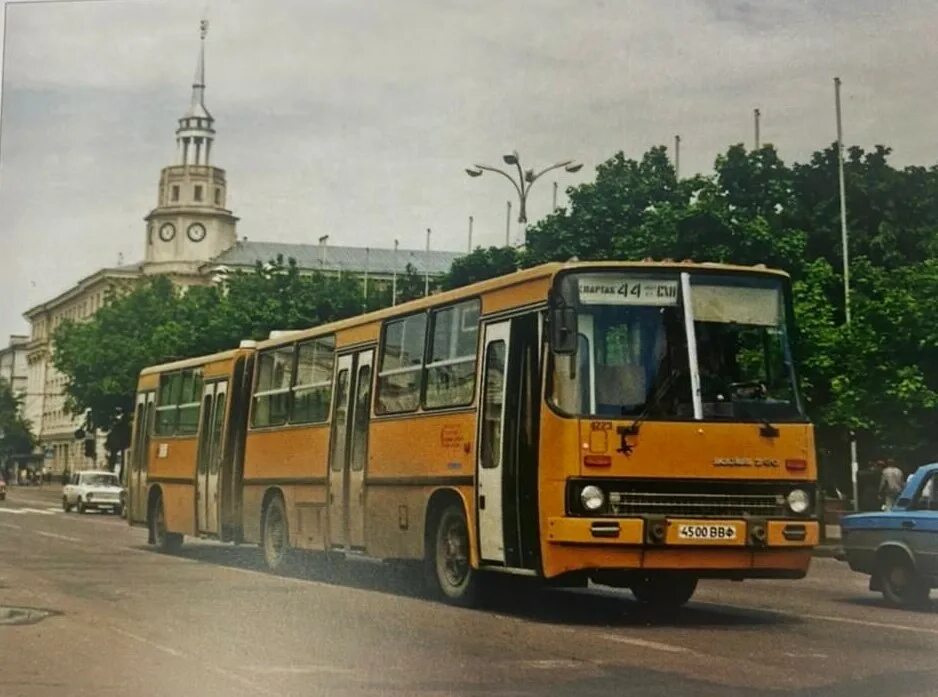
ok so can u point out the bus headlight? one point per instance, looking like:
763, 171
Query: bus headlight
799, 501
592, 498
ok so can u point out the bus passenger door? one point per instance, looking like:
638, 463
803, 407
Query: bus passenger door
358, 449
211, 440
338, 458
139, 463
490, 463
350, 451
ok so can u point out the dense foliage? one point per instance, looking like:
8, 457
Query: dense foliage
880, 378
16, 437
157, 322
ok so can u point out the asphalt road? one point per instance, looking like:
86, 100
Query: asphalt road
125, 620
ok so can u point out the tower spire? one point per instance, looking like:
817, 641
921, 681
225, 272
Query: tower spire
197, 109
195, 133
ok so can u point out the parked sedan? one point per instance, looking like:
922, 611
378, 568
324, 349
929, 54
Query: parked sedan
899, 548
92, 489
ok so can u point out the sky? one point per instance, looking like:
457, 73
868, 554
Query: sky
357, 119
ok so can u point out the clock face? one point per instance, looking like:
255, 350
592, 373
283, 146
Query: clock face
167, 232
196, 232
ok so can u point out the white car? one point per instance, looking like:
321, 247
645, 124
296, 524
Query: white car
93, 489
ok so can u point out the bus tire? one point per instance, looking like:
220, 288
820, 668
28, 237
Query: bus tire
275, 537
448, 568
664, 591
164, 540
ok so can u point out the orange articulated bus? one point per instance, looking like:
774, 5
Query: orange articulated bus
637, 424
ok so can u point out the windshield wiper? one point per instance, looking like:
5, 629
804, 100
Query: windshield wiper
632, 428
767, 428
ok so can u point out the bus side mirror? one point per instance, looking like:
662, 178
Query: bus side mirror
563, 330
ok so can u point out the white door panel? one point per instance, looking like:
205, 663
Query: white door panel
490, 466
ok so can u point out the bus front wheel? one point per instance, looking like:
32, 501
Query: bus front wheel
665, 590
448, 569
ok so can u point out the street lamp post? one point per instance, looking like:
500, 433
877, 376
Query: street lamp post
426, 270
367, 268
394, 275
525, 179
854, 464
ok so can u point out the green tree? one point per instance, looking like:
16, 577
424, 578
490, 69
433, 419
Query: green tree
880, 378
156, 322
16, 437
481, 264
410, 284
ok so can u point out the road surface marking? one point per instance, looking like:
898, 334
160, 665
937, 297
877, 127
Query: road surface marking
57, 537
179, 654
143, 640
828, 618
552, 663
645, 644
14, 511
10, 526
296, 670
40, 511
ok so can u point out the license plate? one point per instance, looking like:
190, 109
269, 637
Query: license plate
716, 532
690, 531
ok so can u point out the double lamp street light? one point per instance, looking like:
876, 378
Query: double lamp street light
525, 179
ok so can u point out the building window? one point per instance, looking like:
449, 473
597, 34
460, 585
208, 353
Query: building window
175, 192
197, 195
217, 196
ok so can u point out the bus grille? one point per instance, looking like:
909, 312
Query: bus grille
717, 504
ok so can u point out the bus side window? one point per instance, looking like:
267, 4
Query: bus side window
451, 369
177, 407
312, 391
399, 375
272, 387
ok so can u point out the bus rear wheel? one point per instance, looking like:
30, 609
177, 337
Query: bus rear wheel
448, 568
275, 537
664, 591
164, 540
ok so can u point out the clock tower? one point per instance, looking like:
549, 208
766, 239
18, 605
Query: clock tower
190, 223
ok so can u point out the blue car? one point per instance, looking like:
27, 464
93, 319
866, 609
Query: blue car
899, 548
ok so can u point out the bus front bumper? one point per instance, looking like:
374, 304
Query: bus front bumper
735, 548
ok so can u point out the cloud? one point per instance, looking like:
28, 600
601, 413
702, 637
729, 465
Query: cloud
356, 118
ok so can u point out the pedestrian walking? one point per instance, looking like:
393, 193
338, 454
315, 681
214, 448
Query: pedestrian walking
891, 483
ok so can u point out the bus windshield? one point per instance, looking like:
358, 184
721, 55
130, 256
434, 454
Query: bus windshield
743, 352
632, 354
